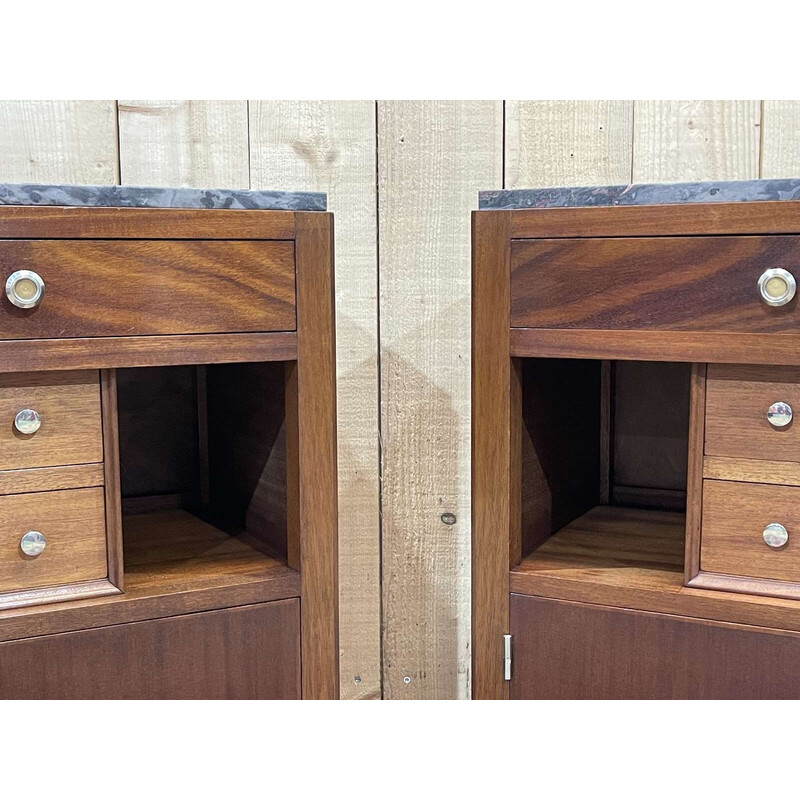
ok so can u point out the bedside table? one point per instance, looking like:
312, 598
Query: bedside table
635, 469
168, 524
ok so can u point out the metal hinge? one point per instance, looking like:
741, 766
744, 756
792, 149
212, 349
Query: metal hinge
507, 656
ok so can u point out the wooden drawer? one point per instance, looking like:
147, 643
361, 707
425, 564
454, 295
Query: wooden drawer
68, 404
697, 283
737, 399
734, 517
249, 653
72, 521
125, 288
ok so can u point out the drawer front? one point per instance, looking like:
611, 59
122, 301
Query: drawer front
734, 518
115, 288
738, 398
668, 283
572, 651
68, 409
73, 523
249, 653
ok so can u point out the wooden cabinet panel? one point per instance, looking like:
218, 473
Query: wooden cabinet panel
697, 283
737, 399
68, 404
252, 652
574, 651
72, 521
114, 288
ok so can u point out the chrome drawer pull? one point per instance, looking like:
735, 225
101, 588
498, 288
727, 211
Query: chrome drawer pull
27, 421
776, 287
25, 288
775, 535
32, 543
779, 414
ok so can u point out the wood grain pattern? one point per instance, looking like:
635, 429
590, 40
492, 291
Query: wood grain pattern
695, 470
649, 345
56, 222
567, 143
695, 140
665, 283
734, 516
107, 288
58, 141
433, 157
751, 470
496, 500
780, 157
330, 146
73, 522
68, 404
234, 654
574, 651
111, 475
316, 398
200, 143
737, 400
146, 351
48, 479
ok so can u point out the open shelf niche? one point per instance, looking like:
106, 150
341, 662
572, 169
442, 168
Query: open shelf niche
602, 449
203, 475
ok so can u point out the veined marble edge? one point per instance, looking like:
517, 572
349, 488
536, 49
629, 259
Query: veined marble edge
34, 194
641, 194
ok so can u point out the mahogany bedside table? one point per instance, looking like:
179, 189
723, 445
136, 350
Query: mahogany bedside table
635, 464
168, 523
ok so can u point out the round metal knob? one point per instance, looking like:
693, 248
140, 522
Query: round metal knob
24, 288
32, 543
27, 421
776, 287
775, 535
779, 415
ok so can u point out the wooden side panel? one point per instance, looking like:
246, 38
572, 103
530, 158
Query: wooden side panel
573, 651
330, 146
58, 141
694, 472
433, 157
316, 399
200, 143
568, 143
247, 653
695, 140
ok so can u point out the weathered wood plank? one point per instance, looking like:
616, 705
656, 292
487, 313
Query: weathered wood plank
200, 143
433, 158
330, 146
781, 139
695, 140
58, 141
568, 142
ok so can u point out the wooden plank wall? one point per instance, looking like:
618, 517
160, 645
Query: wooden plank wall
402, 178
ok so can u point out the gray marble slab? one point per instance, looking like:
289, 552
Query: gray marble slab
35, 194
642, 194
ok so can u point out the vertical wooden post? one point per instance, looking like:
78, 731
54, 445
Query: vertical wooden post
491, 449
316, 404
694, 476
113, 496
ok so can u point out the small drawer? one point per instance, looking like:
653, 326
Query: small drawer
733, 540
72, 523
749, 412
66, 408
70, 289
740, 284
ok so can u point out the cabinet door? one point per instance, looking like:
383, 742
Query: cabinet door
251, 652
573, 651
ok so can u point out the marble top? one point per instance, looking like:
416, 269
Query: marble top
35, 194
642, 194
